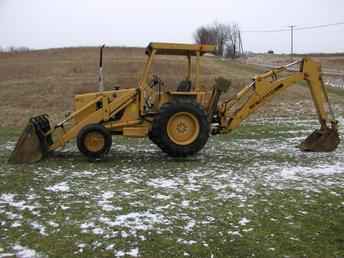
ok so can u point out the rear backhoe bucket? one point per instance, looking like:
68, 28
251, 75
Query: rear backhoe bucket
323, 140
32, 145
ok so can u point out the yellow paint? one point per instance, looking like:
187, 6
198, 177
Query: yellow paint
140, 131
265, 86
183, 128
94, 141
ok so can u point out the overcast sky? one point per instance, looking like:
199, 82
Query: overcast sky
47, 24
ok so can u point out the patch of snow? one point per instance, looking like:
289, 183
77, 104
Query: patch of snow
124, 234
10, 200
39, 227
87, 225
53, 224
319, 170
63, 207
163, 183
110, 247
133, 252
88, 173
7, 198
185, 203
105, 202
161, 196
294, 239
187, 242
108, 195
190, 225
24, 252
119, 253
234, 233
16, 224
136, 220
82, 245
109, 207
244, 221
6, 255
13, 216
60, 187
98, 231
123, 193
289, 174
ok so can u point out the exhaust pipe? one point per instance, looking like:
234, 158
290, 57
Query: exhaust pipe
100, 71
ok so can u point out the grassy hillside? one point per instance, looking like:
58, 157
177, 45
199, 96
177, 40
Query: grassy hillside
45, 81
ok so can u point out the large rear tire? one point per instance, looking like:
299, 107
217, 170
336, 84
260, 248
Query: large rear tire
94, 141
181, 129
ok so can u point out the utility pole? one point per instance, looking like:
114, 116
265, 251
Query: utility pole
241, 48
292, 41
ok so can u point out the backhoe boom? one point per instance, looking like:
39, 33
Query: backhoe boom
236, 109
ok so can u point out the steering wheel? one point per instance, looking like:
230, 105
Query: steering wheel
155, 81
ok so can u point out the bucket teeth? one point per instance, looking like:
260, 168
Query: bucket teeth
42, 125
325, 140
33, 144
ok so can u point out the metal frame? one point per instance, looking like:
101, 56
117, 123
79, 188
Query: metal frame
264, 86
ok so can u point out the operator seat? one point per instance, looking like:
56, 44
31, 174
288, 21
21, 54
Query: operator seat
185, 85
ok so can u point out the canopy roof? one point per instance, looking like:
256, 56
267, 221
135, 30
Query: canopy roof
179, 49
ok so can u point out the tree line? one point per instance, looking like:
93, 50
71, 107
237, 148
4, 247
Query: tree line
13, 49
226, 37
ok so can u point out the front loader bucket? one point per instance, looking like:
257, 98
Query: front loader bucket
32, 145
323, 140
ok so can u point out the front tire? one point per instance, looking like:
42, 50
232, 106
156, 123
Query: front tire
94, 141
181, 129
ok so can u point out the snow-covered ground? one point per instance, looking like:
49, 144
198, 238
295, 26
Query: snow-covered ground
119, 206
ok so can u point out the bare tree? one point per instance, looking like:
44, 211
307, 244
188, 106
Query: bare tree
226, 37
205, 35
223, 34
13, 49
234, 40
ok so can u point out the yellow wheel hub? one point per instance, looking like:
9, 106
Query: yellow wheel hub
183, 128
94, 141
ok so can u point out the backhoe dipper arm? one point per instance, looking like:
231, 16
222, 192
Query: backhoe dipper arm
233, 111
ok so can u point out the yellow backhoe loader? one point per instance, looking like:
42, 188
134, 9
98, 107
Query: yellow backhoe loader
178, 121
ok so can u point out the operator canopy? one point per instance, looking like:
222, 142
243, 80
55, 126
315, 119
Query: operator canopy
179, 49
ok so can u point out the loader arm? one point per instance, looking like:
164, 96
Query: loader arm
234, 110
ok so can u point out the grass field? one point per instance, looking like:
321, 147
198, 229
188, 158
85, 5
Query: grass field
247, 194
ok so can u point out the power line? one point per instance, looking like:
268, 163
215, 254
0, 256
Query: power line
264, 31
320, 26
298, 28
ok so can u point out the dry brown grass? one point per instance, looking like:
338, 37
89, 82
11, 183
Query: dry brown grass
45, 81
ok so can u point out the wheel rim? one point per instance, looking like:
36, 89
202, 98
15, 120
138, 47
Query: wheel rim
94, 141
183, 128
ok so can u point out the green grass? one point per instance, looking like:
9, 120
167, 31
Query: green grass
247, 193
